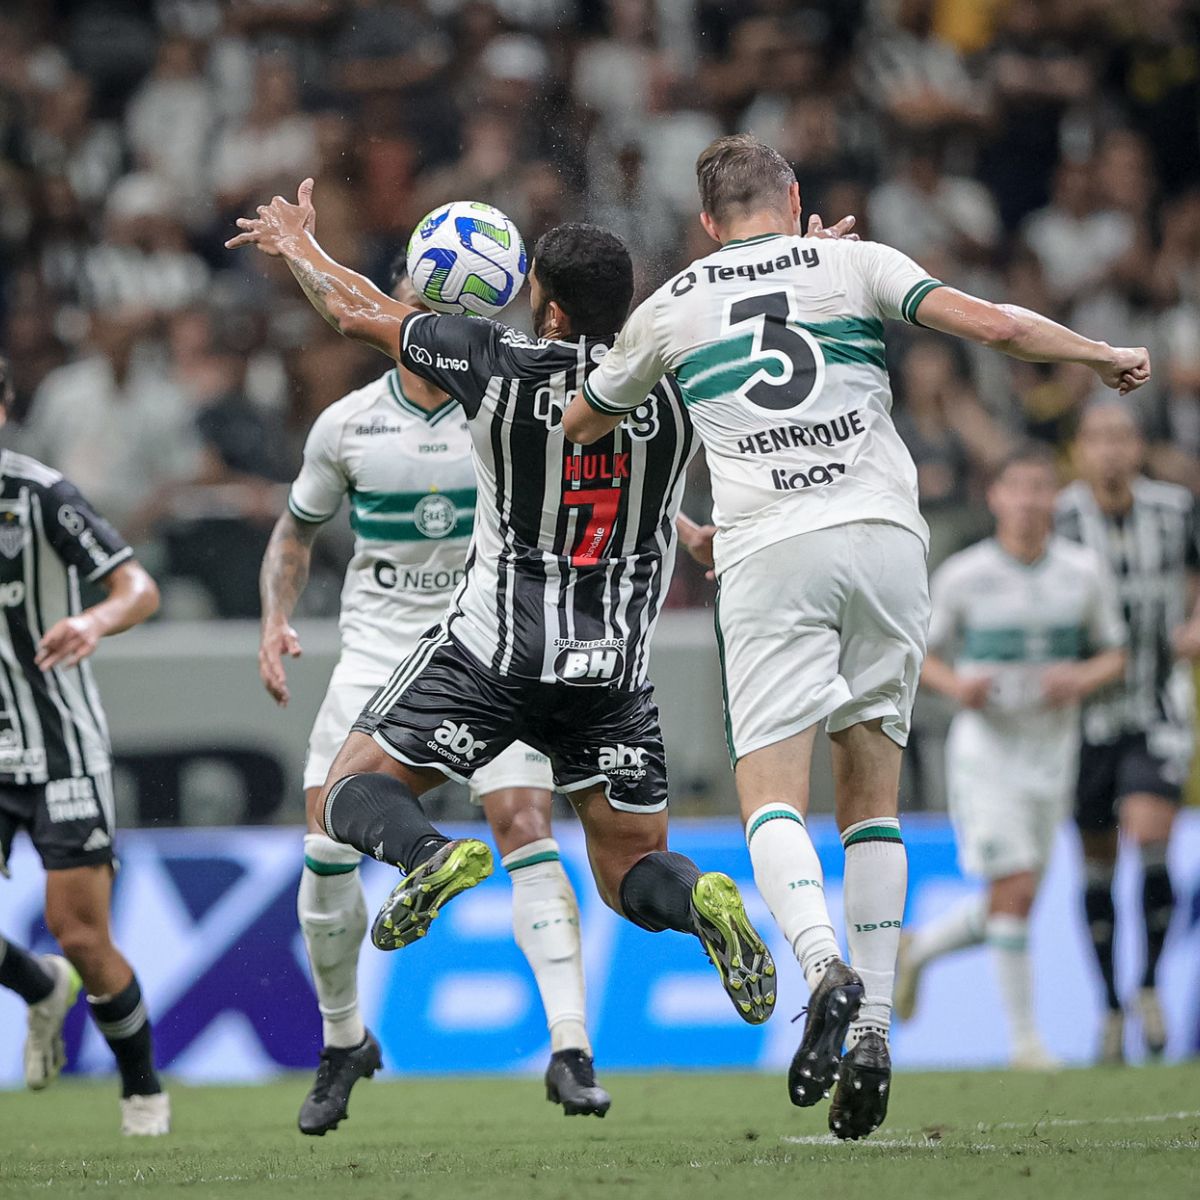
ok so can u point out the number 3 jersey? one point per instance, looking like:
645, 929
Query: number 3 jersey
411, 485
777, 345
574, 546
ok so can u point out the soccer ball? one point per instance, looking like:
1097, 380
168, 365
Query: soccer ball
466, 257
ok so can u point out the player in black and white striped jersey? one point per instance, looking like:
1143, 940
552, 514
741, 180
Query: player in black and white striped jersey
1137, 735
55, 765
546, 640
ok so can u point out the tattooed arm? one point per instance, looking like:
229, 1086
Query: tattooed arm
280, 583
350, 302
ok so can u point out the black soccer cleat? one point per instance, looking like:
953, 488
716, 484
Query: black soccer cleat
571, 1082
860, 1102
418, 898
325, 1105
831, 1008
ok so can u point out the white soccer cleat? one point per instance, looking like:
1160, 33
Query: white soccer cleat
1112, 1040
1033, 1056
908, 980
1154, 1027
45, 1054
146, 1116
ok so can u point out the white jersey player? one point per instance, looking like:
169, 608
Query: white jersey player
777, 345
1024, 626
400, 451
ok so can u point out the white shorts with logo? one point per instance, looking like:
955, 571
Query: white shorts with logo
1007, 800
828, 625
519, 766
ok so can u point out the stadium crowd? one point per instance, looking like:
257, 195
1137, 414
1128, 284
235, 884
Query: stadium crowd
1045, 152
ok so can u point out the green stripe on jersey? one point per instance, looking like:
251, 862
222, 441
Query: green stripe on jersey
917, 293
1025, 645
373, 503
302, 513
850, 340
873, 833
722, 368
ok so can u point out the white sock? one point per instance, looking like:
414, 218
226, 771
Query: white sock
333, 919
546, 927
1008, 936
959, 927
874, 891
788, 873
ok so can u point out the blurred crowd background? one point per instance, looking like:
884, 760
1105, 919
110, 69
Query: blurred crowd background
1046, 152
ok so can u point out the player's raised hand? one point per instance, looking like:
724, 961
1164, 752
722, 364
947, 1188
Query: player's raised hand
842, 230
276, 222
68, 642
278, 639
1125, 369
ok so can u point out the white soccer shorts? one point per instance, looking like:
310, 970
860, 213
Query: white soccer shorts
1006, 803
828, 625
519, 766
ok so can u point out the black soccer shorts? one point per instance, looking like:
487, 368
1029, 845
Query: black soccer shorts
1110, 771
70, 821
443, 709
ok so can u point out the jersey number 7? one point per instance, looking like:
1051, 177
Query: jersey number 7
603, 504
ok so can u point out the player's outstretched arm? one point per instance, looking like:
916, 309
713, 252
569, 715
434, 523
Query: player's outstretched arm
132, 598
281, 582
971, 691
350, 302
1070, 682
1031, 337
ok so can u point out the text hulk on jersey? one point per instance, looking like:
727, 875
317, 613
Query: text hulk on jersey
823, 605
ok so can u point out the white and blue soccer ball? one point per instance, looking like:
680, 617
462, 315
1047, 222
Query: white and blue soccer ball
467, 258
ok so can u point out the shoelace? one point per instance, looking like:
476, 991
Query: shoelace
581, 1067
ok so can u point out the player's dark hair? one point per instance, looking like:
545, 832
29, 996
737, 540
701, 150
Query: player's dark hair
1027, 453
743, 173
397, 272
7, 393
587, 272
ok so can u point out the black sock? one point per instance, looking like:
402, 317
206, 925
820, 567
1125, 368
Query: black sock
1102, 920
380, 816
126, 1027
1158, 906
22, 973
656, 892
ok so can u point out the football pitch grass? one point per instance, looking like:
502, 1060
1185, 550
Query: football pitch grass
1128, 1133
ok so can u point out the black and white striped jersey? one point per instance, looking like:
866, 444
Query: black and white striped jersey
51, 724
574, 546
1151, 550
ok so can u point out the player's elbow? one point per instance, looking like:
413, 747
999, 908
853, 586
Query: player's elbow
580, 424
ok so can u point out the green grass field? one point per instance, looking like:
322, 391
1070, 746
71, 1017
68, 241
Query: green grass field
1122, 1133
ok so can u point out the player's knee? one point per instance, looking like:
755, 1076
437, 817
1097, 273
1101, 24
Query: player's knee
82, 936
517, 826
1015, 894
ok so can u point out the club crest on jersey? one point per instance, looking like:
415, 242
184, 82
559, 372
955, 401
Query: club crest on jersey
589, 664
12, 535
435, 515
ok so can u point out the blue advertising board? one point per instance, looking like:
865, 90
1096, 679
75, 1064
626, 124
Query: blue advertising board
208, 918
